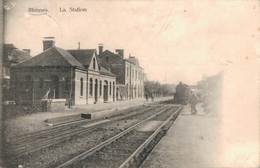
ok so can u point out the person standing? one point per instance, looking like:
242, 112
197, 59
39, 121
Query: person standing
146, 97
193, 103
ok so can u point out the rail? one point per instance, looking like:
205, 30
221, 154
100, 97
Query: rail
108, 141
134, 158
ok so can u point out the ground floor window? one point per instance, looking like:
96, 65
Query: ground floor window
67, 84
100, 88
81, 86
110, 90
90, 87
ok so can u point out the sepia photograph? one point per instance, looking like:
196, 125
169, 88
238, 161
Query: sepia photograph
130, 84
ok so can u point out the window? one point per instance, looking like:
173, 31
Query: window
113, 88
67, 84
90, 87
110, 90
81, 86
6, 71
100, 88
94, 63
55, 87
127, 89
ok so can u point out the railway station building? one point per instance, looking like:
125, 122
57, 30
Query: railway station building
129, 73
56, 73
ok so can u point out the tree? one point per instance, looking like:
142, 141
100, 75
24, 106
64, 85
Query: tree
156, 89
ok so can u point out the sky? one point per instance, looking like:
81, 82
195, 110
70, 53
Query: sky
174, 40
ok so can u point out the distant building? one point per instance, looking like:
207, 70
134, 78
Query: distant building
11, 56
129, 74
74, 75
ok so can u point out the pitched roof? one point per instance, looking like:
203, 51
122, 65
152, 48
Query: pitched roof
18, 56
104, 71
52, 57
59, 57
83, 56
133, 60
9, 45
112, 57
111, 54
107, 52
14, 55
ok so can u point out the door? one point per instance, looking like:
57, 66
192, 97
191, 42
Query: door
28, 96
105, 90
113, 91
96, 91
54, 92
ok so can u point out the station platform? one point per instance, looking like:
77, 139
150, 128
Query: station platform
201, 141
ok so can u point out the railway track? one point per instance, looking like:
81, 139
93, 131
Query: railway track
55, 129
31, 151
44, 149
47, 138
129, 147
65, 126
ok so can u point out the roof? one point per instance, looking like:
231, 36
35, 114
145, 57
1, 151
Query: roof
104, 71
9, 45
133, 60
84, 56
14, 55
109, 53
113, 59
52, 57
59, 57
117, 59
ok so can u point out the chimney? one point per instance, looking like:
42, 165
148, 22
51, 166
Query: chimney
28, 51
79, 45
100, 48
48, 42
120, 52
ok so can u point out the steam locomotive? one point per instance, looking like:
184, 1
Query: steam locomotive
182, 94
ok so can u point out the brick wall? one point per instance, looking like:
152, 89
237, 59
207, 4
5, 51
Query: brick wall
29, 84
